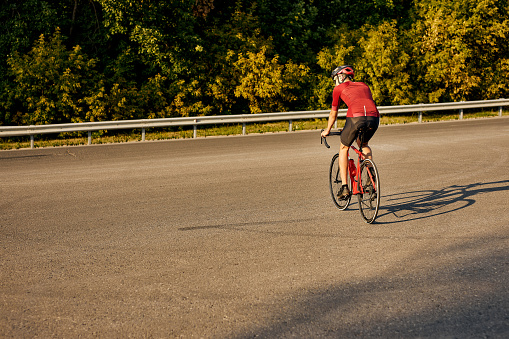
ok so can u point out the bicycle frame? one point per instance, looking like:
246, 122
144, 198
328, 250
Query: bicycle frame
354, 177
364, 181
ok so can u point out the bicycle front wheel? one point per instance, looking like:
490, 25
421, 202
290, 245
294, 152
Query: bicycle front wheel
335, 184
369, 197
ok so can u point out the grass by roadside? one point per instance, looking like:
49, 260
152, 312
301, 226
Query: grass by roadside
105, 137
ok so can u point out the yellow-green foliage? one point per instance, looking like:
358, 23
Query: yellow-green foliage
384, 64
266, 83
123, 59
52, 83
461, 50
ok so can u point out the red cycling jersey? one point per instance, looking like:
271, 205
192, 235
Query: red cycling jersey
357, 96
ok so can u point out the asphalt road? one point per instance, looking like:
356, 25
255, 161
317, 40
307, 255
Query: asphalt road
237, 237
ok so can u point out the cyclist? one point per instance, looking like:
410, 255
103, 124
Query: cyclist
362, 112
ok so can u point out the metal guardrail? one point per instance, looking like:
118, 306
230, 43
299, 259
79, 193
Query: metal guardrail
143, 124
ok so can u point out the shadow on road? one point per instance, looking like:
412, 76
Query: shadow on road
425, 204
465, 298
395, 208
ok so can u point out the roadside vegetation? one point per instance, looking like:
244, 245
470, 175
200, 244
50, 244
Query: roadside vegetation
70, 61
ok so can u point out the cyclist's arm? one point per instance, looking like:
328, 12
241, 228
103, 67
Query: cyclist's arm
333, 115
336, 101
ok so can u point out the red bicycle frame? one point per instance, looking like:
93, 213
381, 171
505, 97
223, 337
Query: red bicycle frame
365, 186
355, 171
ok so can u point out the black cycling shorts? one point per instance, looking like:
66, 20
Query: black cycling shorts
352, 126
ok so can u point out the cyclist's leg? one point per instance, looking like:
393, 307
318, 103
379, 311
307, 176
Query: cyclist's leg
370, 125
347, 137
336, 185
343, 162
366, 150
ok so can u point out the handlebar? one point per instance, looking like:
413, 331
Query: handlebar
323, 140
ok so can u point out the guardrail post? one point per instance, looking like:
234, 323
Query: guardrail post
420, 116
243, 128
31, 136
290, 125
500, 111
142, 134
461, 114
195, 129
89, 138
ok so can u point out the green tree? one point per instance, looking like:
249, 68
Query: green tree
162, 32
225, 36
292, 26
462, 50
50, 84
265, 83
345, 51
357, 13
158, 41
384, 65
123, 59
242, 73
23, 21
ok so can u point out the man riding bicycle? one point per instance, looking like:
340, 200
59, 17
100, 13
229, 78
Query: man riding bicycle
362, 113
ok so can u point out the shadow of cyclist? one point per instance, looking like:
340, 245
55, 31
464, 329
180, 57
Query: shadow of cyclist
417, 205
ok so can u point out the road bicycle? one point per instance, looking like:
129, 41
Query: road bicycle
364, 181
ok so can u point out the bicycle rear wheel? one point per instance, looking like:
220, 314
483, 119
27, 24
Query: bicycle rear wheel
369, 198
335, 184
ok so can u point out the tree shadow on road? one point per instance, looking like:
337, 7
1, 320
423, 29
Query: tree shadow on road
464, 298
417, 205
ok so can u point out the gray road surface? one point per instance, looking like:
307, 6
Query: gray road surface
237, 237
